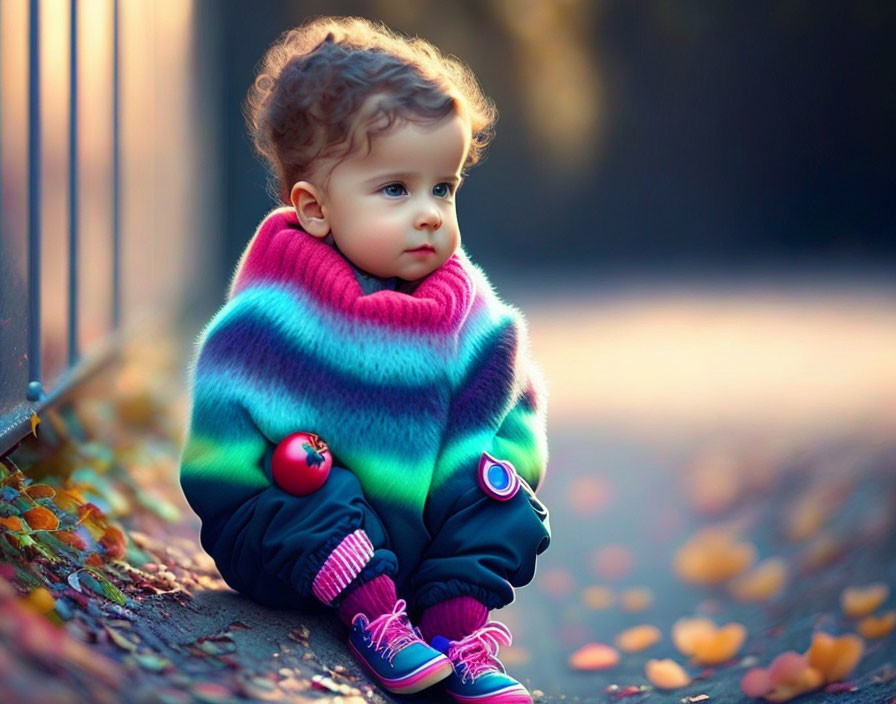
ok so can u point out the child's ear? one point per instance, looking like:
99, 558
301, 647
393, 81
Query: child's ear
306, 199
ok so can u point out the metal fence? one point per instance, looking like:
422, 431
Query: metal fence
15, 416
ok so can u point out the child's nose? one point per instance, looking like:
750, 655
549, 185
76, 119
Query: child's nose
428, 218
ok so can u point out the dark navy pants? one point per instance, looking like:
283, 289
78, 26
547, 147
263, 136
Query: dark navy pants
271, 547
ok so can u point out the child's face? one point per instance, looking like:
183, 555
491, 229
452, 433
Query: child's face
392, 210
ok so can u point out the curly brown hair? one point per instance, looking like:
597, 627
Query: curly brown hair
318, 83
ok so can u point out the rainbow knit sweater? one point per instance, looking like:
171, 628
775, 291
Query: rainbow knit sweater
408, 390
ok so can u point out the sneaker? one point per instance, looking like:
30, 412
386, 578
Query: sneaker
479, 677
395, 653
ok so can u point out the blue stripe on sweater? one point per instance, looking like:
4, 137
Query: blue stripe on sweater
246, 346
360, 349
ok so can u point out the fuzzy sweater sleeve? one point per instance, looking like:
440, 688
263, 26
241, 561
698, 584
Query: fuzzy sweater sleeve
246, 519
522, 435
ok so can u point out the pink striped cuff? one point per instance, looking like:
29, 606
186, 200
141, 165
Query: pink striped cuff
342, 566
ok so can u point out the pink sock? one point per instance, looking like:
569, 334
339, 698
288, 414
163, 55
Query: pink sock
342, 565
453, 618
372, 599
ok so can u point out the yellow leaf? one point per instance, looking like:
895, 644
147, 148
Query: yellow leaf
862, 601
41, 600
877, 627
638, 638
35, 421
69, 500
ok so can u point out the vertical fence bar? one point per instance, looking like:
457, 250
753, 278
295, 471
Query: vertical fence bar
116, 167
73, 188
35, 387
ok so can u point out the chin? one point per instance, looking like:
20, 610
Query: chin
416, 276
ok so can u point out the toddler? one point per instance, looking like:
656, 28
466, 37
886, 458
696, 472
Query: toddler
355, 315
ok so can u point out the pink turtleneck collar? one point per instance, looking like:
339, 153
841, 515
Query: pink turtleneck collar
281, 252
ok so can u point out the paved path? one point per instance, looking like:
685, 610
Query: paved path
625, 499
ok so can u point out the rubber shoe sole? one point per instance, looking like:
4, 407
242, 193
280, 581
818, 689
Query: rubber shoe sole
424, 676
516, 694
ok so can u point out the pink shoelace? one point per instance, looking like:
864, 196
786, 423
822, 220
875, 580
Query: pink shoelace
478, 651
391, 632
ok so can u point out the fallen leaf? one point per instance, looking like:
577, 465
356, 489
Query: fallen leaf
638, 638
152, 662
99, 584
594, 656
557, 582
69, 499
877, 626
635, 599
40, 600
862, 601
713, 556
756, 682
834, 657
11, 523
40, 518
597, 597
217, 645
707, 643
666, 674
120, 640
115, 543
40, 491
71, 538
763, 583
93, 519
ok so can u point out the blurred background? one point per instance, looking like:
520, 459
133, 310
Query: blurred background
691, 201
670, 144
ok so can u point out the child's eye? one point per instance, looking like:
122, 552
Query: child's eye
394, 190
442, 190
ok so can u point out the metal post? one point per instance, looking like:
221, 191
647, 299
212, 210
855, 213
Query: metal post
35, 387
73, 189
116, 170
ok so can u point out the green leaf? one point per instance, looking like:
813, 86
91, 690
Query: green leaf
96, 581
152, 662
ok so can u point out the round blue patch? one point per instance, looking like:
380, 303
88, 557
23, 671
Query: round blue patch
498, 477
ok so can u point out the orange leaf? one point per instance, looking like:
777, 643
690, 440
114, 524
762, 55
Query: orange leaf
594, 656
114, 542
40, 491
16, 480
71, 538
93, 560
11, 523
40, 518
88, 511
